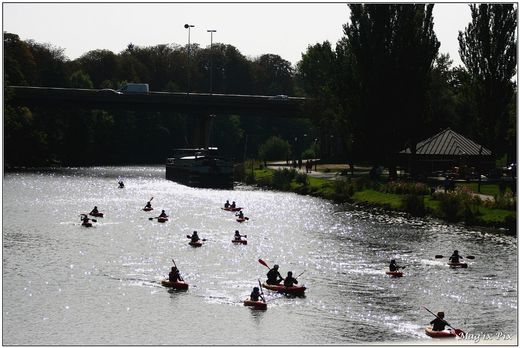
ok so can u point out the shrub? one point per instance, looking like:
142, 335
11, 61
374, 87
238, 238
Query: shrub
343, 188
302, 178
414, 204
414, 188
282, 179
451, 206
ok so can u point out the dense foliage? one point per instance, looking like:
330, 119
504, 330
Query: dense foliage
382, 88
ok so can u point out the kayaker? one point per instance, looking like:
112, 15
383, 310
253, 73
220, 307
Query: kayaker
226, 205
455, 258
238, 236
94, 211
233, 205
289, 280
174, 275
255, 295
84, 218
240, 215
393, 266
194, 237
163, 214
121, 184
273, 276
148, 205
438, 323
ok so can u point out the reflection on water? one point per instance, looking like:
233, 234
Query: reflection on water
69, 285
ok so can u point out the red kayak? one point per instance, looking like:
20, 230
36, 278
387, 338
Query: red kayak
147, 209
458, 265
162, 219
88, 224
449, 333
255, 304
394, 274
293, 290
243, 219
239, 241
232, 209
98, 214
179, 285
196, 244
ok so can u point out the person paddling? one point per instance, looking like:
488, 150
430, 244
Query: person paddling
121, 184
238, 236
393, 266
438, 323
84, 218
289, 280
163, 214
233, 205
194, 237
174, 275
148, 205
240, 215
94, 211
255, 295
273, 276
455, 258
226, 205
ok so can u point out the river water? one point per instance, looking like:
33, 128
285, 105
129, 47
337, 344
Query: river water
64, 284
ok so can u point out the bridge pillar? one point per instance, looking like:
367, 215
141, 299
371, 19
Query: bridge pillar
202, 130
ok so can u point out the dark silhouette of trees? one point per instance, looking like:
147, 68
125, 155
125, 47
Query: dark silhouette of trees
488, 50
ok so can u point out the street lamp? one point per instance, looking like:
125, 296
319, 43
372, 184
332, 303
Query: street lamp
211, 31
189, 26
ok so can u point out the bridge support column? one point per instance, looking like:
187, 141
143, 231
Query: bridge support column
202, 130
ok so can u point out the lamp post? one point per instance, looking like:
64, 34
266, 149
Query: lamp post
211, 31
189, 26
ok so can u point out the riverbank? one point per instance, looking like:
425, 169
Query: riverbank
490, 208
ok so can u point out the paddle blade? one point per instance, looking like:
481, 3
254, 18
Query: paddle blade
246, 218
94, 220
471, 257
188, 236
263, 263
150, 199
438, 256
151, 218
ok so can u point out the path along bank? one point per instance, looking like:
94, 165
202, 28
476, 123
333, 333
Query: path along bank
492, 208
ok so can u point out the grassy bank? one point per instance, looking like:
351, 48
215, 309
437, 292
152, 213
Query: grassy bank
462, 205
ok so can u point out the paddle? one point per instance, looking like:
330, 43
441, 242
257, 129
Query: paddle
148, 202
458, 332
470, 257
177, 269
157, 217
263, 263
300, 274
87, 217
203, 239
261, 291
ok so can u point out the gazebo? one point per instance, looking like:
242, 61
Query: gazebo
446, 150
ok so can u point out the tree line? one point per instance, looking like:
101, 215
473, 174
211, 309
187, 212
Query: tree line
382, 87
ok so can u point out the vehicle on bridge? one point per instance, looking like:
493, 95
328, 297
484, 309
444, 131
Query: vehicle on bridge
135, 88
201, 167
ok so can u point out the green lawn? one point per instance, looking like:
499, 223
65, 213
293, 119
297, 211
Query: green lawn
485, 189
380, 198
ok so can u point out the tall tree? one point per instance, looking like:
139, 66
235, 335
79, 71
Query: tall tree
487, 48
391, 50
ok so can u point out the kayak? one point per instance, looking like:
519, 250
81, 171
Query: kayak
88, 224
241, 241
394, 273
458, 265
232, 209
293, 290
147, 209
449, 333
162, 219
98, 214
255, 304
242, 220
179, 285
196, 244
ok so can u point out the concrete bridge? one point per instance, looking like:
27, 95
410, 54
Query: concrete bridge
203, 106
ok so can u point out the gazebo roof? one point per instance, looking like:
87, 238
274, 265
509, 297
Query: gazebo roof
449, 143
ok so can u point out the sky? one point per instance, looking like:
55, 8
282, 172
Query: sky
285, 29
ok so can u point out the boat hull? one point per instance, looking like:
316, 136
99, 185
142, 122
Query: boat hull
174, 285
293, 290
255, 304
